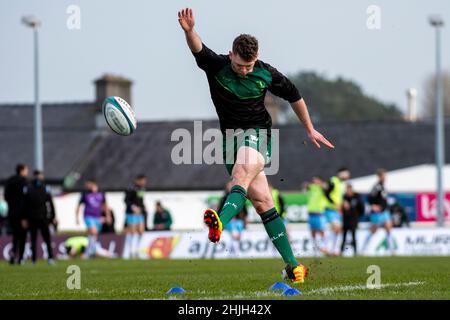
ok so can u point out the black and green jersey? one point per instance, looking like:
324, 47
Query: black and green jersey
239, 100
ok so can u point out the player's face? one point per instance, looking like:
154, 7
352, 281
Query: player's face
91, 186
141, 182
316, 180
349, 190
241, 66
344, 175
25, 172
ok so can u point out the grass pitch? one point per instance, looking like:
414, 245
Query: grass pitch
330, 278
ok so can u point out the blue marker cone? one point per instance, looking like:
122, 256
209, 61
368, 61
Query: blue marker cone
291, 292
176, 290
279, 286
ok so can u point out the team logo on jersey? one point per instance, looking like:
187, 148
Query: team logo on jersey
260, 84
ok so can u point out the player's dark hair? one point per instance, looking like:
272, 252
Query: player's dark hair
141, 176
342, 169
246, 46
20, 167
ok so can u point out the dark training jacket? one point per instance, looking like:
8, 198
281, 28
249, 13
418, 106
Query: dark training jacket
14, 196
38, 201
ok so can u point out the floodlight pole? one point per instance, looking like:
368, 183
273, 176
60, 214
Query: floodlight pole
38, 136
437, 23
38, 151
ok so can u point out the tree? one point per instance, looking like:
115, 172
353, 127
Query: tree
340, 99
429, 95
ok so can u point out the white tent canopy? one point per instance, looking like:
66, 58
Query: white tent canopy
420, 178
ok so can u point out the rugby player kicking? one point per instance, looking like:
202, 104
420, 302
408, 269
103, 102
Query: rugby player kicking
238, 84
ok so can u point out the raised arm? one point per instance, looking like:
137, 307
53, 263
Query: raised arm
282, 87
187, 23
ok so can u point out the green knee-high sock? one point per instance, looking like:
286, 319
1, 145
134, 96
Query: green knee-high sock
233, 204
277, 233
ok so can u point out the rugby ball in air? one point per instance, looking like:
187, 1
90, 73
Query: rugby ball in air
119, 115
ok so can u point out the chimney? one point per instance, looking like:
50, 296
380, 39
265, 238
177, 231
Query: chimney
411, 95
106, 86
110, 85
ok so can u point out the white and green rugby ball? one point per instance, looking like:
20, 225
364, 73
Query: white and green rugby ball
119, 115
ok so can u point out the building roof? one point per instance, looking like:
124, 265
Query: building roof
73, 143
69, 131
72, 115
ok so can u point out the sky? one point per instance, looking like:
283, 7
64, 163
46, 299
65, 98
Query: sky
142, 40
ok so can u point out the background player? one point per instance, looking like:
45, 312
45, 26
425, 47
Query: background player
14, 196
135, 216
316, 218
379, 215
352, 210
333, 212
38, 204
94, 202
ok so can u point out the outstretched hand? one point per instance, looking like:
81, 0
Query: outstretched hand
317, 138
186, 19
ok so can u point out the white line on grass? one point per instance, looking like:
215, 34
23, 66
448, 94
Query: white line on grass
331, 290
323, 291
246, 295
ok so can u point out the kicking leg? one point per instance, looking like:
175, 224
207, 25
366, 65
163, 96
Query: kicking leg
244, 172
249, 163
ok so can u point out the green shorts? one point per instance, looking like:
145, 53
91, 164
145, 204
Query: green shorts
258, 139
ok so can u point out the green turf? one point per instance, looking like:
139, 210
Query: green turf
330, 278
